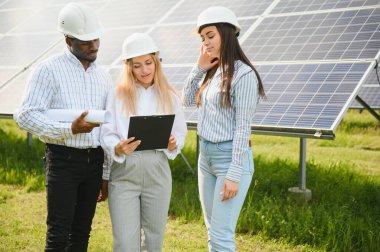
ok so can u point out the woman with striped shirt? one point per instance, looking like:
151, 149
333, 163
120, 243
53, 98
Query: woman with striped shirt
226, 88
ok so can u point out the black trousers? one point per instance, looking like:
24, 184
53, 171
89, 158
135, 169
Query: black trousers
73, 181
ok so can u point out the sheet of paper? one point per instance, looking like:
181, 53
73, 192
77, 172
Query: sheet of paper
69, 115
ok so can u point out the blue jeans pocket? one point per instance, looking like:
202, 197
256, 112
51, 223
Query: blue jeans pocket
224, 146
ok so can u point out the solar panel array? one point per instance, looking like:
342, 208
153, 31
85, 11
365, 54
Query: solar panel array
370, 92
313, 55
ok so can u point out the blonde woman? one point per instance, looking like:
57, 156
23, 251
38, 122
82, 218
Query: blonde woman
140, 181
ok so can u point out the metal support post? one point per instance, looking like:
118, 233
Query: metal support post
367, 107
302, 178
301, 193
186, 162
29, 139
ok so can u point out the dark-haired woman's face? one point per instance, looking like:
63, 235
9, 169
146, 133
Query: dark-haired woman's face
211, 41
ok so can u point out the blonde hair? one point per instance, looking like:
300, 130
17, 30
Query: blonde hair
126, 88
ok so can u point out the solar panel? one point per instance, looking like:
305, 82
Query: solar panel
11, 95
311, 104
369, 92
11, 18
189, 10
323, 36
291, 6
110, 45
134, 13
20, 50
23, 4
5, 74
178, 45
313, 56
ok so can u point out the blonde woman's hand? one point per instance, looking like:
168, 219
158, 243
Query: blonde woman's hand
172, 145
229, 189
126, 146
205, 61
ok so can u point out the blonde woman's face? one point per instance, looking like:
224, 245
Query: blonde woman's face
211, 40
143, 68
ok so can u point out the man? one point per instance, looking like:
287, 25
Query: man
73, 158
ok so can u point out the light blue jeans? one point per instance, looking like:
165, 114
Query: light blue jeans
221, 216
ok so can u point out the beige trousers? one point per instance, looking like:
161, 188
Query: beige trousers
139, 197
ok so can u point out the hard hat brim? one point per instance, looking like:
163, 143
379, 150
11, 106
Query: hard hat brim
89, 36
127, 56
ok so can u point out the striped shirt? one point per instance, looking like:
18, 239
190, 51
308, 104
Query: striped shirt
61, 82
219, 124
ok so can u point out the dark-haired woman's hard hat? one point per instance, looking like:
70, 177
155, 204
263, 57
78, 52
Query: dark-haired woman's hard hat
217, 14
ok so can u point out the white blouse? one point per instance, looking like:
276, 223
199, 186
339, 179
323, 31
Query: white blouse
147, 104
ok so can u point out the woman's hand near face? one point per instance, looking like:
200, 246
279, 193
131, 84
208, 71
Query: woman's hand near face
172, 143
126, 146
205, 61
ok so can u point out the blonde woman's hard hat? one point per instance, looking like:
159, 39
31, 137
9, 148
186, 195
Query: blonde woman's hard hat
79, 21
217, 14
138, 44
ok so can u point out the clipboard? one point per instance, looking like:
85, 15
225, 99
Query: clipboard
153, 131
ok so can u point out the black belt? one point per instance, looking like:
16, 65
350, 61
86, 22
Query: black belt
72, 150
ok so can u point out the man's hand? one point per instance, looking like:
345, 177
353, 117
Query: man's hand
79, 125
103, 194
229, 189
126, 146
172, 145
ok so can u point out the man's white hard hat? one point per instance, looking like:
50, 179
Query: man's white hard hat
138, 44
79, 21
217, 14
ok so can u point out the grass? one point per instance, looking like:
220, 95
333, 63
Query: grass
343, 174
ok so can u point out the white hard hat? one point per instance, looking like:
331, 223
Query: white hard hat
138, 44
217, 14
79, 21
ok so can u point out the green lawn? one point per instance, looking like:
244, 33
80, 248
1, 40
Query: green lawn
343, 174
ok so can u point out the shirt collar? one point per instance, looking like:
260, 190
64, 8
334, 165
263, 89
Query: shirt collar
150, 88
238, 63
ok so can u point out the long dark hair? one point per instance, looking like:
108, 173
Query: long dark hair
230, 51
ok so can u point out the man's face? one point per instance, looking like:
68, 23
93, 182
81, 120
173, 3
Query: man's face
84, 50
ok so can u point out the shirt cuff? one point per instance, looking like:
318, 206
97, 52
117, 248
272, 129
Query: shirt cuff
106, 172
198, 71
66, 130
234, 173
117, 158
171, 154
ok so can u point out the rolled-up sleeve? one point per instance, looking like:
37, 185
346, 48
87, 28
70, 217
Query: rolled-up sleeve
191, 87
